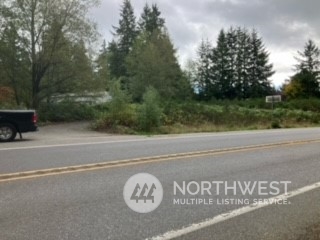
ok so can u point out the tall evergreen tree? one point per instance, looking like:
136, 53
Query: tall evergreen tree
126, 32
243, 54
220, 84
259, 68
152, 63
102, 67
150, 19
308, 74
115, 60
204, 73
309, 59
124, 37
232, 67
83, 76
237, 67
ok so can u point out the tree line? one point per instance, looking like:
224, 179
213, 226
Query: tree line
45, 50
237, 67
141, 55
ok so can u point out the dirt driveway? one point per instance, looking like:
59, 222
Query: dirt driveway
65, 130
64, 134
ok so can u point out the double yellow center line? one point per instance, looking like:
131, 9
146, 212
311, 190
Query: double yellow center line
127, 162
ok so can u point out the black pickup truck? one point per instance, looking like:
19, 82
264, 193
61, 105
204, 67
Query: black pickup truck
16, 121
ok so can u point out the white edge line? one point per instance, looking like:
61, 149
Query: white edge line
130, 140
72, 144
186, 136
235, 213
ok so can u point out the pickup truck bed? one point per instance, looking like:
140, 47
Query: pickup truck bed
16, 121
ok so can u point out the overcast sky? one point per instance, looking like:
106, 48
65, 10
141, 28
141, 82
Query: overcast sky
284, 25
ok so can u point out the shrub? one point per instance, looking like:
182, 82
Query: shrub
275, 124
312, 104
172, 116
126, 117
150, 113
118, 112
65, 112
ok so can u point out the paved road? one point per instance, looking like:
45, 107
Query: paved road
70, 149
90, 205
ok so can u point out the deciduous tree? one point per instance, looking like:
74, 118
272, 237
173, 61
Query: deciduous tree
45, 24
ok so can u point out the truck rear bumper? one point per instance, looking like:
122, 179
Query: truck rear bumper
30, 129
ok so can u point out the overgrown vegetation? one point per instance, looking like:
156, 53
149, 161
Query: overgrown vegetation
191, 116
119, 113
150, 112
223, 89
65, 112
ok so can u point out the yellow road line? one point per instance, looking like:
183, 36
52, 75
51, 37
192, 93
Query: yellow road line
134, 161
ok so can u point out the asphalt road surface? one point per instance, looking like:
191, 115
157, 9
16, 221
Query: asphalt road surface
39, 202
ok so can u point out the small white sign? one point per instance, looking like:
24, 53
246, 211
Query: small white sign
273, 99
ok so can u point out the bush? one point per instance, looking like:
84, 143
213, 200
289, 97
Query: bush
275, 124
312, 104
125, 117
150, 113
118, 112
190, 116
65, 112
4, 105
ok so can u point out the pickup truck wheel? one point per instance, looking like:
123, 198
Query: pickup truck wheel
7, 132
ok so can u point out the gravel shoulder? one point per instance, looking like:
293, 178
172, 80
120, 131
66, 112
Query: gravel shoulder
66, 130
62, 133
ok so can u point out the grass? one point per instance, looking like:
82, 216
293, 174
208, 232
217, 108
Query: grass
154, 116
192, 117
210, 127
